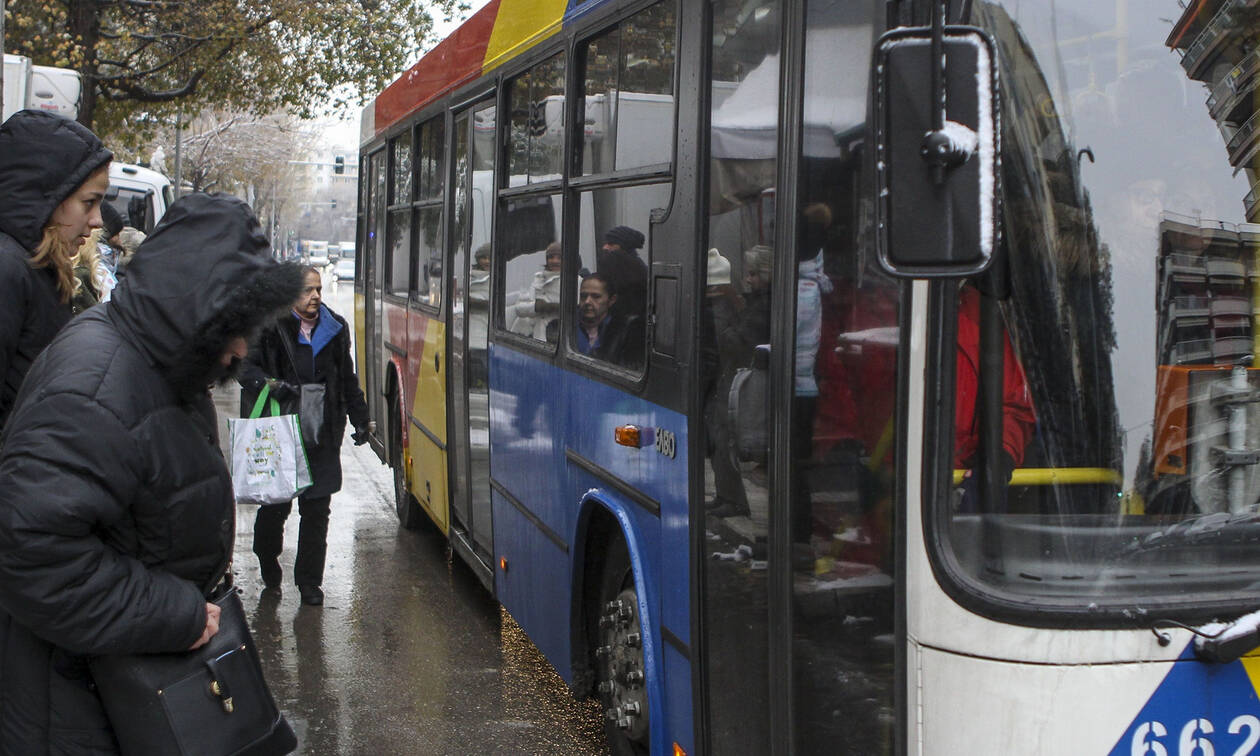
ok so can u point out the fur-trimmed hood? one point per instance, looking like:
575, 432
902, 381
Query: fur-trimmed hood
43, 159
203, 277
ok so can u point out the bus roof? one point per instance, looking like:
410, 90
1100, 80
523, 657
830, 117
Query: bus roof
501, 30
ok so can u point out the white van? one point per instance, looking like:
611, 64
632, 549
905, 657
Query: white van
140, 195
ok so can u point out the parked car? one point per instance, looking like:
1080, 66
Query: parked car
317, 254
344, 270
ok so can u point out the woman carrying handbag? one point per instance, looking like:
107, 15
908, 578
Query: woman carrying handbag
116, 506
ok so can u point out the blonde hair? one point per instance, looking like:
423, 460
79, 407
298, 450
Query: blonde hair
89, 256
53, 252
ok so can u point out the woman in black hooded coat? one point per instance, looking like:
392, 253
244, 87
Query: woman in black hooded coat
53, 175
116, 506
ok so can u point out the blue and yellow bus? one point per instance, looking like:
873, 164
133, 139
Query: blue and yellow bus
838, 376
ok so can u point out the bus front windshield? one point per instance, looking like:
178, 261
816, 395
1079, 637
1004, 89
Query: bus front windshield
1130, 408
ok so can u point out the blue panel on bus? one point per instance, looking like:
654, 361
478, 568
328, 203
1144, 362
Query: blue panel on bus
1198, 708
530, 586
678, 698
552, 446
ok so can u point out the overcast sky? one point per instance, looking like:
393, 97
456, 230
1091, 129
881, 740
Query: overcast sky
344, 132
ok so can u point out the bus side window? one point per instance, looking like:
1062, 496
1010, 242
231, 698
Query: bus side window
614, 245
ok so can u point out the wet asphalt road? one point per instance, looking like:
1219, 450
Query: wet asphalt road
409, 653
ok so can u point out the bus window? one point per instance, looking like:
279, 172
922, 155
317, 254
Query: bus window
628, 94
532, 258
398, 242
430, 177
1127, 481
613, 244
536, 134
844, 407
735, 320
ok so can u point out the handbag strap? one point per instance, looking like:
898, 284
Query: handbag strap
258, 405
288, 349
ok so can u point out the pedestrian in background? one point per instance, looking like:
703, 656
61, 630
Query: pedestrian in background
116, 505
53, 176
308, 346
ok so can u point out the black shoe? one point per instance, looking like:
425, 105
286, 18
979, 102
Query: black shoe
311, 594
271, 573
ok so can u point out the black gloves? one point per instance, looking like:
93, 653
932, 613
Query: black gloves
361, 435
283, 391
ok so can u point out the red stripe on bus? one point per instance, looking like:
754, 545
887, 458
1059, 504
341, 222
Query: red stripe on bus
457, 59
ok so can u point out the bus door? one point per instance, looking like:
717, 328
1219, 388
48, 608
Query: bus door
373, 252
468, 384
800, 593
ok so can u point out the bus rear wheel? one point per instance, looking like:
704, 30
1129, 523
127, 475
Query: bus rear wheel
622, 673
405, 504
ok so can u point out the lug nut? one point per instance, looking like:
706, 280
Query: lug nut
633, 676
634, 640
632, 708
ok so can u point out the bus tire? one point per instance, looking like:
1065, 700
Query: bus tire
405, 504
619, 664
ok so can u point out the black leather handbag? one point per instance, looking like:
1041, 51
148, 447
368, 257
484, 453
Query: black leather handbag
212, 701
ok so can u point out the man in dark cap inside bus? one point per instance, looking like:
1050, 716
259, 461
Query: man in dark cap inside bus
618, 259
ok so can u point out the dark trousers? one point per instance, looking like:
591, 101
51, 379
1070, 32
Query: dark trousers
308, 568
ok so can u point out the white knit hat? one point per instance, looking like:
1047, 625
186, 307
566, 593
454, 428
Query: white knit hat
719, 269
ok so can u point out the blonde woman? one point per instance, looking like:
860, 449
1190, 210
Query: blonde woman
53, 175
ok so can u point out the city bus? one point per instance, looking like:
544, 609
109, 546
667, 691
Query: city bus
838, 376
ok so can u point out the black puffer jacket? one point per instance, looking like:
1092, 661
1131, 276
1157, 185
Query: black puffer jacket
116, 507
330, 365
43, 159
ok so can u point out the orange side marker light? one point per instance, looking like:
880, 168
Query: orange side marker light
627, 435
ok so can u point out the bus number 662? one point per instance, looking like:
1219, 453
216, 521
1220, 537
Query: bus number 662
1194, 739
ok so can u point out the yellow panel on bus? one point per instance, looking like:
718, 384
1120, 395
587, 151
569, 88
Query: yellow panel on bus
360, 338
521, 24
426, 445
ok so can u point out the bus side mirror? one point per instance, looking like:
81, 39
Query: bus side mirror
936, 188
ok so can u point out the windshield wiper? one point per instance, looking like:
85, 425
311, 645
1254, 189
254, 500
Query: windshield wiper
1219, 642
1215, 529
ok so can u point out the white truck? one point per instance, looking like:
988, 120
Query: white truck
26, 85
140, 195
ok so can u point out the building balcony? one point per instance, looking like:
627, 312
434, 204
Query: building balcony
1212, 38
1225, 272
1240, 144
1185, 268
1236, 88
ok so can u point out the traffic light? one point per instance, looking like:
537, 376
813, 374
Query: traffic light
339, 165
334, 204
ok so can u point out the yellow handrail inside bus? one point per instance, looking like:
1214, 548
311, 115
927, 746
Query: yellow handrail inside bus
1045, 476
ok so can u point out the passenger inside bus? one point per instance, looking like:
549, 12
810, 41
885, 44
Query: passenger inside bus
603, 332
537, 306
619, 261
1018, 417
